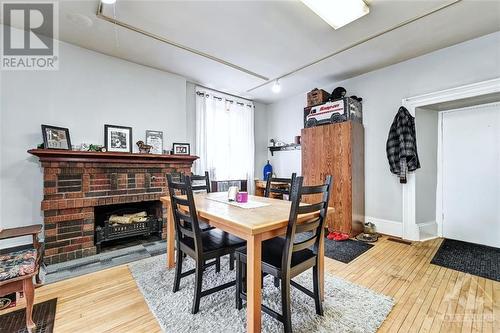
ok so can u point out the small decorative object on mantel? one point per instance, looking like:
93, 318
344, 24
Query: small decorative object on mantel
96, 148
181, 149
155, 140
56, 137
143, 148
118, 138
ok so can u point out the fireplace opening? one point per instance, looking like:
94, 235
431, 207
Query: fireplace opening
123, 225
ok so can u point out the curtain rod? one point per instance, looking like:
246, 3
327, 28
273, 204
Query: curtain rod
200, 93
221, 92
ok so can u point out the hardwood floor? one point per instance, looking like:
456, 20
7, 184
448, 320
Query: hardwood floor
428, 298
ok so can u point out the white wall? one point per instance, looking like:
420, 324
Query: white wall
382, 92
260, 137
426, 126
89, 90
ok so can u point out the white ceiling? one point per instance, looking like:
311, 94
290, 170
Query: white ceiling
271, 38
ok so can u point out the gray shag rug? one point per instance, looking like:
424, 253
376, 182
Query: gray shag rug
347, 307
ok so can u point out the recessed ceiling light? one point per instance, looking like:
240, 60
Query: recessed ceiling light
338, 13
108, 2
276, 87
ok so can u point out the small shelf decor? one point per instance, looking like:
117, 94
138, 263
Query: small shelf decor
291, 146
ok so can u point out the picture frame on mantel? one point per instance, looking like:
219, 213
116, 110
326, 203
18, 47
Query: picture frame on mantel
155, 140
118, 138
181, 148
56, 137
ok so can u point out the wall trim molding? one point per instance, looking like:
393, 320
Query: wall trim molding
386, 227
428, 230
411, 230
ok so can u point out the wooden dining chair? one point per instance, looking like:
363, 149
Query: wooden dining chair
285, 258
19, 268
279, 190
201, 187
199, 245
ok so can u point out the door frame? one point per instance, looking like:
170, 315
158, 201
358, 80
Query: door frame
411, 229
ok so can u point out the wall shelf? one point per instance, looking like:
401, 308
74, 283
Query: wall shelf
283, 148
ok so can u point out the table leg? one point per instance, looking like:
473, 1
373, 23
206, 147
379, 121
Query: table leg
170, 238
321, 266
254, 292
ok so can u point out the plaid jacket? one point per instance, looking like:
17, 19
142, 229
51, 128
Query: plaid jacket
402, 145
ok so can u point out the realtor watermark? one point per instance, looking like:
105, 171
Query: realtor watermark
30, 36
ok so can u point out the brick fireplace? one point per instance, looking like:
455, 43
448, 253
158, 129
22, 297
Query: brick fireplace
75, 183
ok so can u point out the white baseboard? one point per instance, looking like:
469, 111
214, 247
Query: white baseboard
387, 227
428, 230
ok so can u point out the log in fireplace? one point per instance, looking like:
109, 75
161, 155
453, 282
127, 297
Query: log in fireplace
75, 183
131, 220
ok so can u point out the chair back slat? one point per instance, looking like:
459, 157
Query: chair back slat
306, 209
304, 244
185, 218
312, 228
289, 185
307, 226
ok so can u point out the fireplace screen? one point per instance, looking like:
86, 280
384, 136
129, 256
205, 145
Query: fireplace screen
128, 220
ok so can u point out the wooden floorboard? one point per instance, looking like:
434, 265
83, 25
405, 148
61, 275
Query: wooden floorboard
428, 298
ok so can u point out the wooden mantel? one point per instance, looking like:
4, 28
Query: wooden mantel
58, 155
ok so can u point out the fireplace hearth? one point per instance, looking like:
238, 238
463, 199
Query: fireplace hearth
79, 186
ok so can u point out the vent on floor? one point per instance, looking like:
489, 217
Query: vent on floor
399, 240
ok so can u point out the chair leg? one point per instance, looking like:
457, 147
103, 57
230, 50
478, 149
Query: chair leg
276, 282
231, 261
198, 282
29, 294
244, 276
285, 305
217, 264
317, 299
178, 269
239, 282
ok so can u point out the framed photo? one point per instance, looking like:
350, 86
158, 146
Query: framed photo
181, 149
56, 137
155, 139
118, 138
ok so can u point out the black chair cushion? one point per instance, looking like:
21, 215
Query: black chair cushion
215, 239
272, 251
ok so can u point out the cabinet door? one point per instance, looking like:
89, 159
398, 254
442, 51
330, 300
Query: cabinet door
326, 150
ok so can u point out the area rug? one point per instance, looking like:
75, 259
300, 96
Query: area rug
43, 316
345, 251
469, 258
347, 307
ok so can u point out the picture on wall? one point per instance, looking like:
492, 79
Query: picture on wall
118, 138
56, 137
181, 149
155, 139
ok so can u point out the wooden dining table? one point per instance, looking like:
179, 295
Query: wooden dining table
254, 225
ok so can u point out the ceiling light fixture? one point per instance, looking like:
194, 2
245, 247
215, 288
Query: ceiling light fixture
108, 2
276, 87
338, 13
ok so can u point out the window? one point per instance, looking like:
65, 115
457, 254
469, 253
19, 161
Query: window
224, 136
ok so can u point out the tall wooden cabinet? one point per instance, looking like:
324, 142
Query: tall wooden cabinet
338, 150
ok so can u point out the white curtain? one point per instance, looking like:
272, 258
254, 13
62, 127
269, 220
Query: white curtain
224, 136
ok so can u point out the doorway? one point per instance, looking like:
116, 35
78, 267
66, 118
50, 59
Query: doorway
470, 174
416, 227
